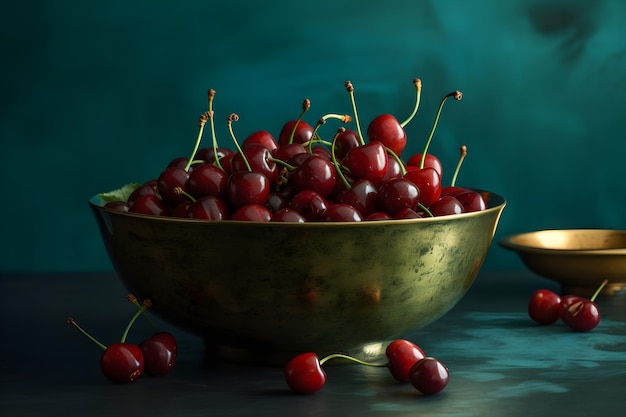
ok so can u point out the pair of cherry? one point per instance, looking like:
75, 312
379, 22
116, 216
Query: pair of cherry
124, 362
406, 362
579, 313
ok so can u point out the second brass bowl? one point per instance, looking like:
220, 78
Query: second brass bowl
578, 259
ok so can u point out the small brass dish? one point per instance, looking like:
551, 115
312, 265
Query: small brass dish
578, 259
284, 288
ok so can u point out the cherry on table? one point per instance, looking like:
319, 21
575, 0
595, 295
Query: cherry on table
544, 306
402, 355
582, 314
304, 373
429, 376
160, 352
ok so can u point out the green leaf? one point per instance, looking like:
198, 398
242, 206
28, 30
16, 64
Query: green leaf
121, 194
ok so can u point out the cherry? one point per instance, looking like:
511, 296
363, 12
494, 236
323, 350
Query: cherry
446, 205
386, 129
118, 205
170, 179
341, 212
428, 181
149, 204
314, 173
544, 306
346, 139
367, 161
258, 158
430, 160
296, 131
286, 152
208, 208
379, 215
471, 201
362, 195
309, 204
407, 213
207, 179
252, 213
288, 215
159, 351
398, 194
263, 138
304, 373
149, 187
402, 355
582, 314
429, 376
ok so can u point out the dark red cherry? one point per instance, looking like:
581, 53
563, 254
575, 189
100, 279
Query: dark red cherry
117, 206
247, 187
386, 129
208, 208
171, 179
407, 213
260, 159
288, 215
398, 194
362, 195
341, 212
252, 213
379, 215
429, 376
207, 179
159, 353
428, 181
446, 205
262, 138
367, 161
309, 204
314, 173
402, 355
346, 140
181, 210
429, 161
208, 154
286, 152
149, 204
544, 306
394, 170
303, 133
304, 373
122, 362
581, 314
149, 187
471, 201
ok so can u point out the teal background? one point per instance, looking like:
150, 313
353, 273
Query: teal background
96, 94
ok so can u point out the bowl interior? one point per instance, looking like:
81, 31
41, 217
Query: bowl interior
569, 240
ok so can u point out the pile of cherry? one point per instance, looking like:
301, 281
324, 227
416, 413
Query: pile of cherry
124, 362
579, 313
301, 177
405, 360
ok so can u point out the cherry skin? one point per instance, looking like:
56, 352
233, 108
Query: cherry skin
122, 362
303, 133
159, 353
263, 138
471, 201
363, 196
429, 376
286, 152
544, 306
566, 302
149, 204
445, 206
386, 129
402, 355
260, 159
208, 208
309, 204
252, 213
314, 173
367, 161
429, 161
582, 315
117, 206
304, 373
379, 215
341, 212
149, 187
346, 140
207, 179
428, 181
170, 179
394, 170
288, 215
398, 194
407, 213
247, 187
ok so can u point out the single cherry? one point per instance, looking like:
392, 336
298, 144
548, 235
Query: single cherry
402, 355
429, 376
398, 194
582, 314
544, 306
304, 373
252, 213
159, 351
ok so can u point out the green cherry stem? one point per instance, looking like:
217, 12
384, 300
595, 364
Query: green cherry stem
595, 295
350, 89
333, 158
145, 305
211, 95
463, 150
133, 299
72, 322
423, 207
306, 105
418, 94
353, 359
179, 190
397, 158
343, 117
233, 118
457, 96
204, 117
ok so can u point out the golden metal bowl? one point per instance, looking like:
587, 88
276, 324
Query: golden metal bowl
282, 288
579, 259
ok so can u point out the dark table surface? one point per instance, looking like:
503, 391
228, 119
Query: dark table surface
501, 363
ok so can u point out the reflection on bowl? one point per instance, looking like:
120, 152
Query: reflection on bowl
282, 288
579, 259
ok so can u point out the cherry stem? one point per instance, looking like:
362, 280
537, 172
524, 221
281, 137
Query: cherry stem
423, 207
204, 117
418, 94
142, 308
595, 295
350, 89
133, 299
180, 191
463, 150
306, 105
457, 96
72, 322
397, 158
334, 158
343, 117
217, 162
353, 359
233, 118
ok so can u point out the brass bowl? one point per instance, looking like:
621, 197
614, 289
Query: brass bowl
578, 259
282, 288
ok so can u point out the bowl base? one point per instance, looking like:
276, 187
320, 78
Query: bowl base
216, 352
611, 289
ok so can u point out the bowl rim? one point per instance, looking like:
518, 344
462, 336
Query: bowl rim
500, 202
511, 242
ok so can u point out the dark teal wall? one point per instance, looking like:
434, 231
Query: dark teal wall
95, 94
